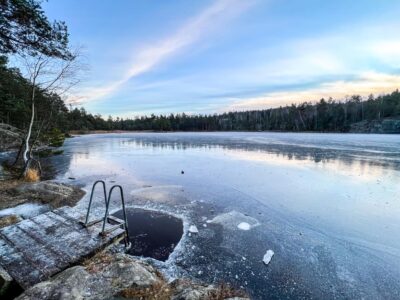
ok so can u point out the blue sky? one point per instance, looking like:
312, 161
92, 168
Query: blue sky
210, 56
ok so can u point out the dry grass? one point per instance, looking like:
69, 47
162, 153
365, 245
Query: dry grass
96, 263
158, 291
164, 291
225, 291
8, 197
6, 185
32, 175
8, 220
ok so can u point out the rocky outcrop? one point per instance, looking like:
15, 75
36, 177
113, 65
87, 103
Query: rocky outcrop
55, 194
101, 279
376, 126
10, 137
49, 192
120, 276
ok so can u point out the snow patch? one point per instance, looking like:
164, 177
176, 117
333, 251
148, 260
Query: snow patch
234, 220
268, 256
244, 226
193, 229
26, 210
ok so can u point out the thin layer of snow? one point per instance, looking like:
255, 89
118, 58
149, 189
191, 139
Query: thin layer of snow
193, 229
26, 210
268, 256
244, 226
234, 220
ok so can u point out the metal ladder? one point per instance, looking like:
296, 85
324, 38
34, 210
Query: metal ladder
116, 222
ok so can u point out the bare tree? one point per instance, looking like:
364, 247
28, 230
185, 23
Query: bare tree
48, 75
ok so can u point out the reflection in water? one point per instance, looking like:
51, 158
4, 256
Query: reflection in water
297, 152
358, 159
272, 167
366, 156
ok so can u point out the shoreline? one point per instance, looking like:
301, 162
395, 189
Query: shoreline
29, 199
121, 273
73, 133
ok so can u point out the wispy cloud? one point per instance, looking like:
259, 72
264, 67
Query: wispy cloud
149, 56
365, 65
368, 83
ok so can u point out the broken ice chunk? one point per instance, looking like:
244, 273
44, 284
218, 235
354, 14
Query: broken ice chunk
193, 229
232, 219
268, 256
244, 226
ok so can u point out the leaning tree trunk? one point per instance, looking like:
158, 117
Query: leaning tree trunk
36, 139
27, 154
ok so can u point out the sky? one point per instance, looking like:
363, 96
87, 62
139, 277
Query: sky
212, 56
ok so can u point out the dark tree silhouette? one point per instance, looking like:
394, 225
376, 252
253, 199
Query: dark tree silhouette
24, 26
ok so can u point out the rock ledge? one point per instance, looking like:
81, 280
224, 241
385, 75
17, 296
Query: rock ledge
120, 276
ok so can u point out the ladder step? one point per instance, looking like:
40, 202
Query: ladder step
82, 222
111, 223
114, 220
111, 229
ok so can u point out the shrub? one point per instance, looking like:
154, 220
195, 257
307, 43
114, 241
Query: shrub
32, 175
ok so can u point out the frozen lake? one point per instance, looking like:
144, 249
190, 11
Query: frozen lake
328, 205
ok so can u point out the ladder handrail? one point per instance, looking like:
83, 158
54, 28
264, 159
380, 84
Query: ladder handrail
91, 198
123, 210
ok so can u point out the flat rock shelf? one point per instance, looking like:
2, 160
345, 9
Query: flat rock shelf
37, 248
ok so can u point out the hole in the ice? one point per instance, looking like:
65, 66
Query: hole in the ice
9, 290
152, 234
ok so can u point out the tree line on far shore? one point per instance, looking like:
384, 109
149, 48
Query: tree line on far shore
327, 115
324, 116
